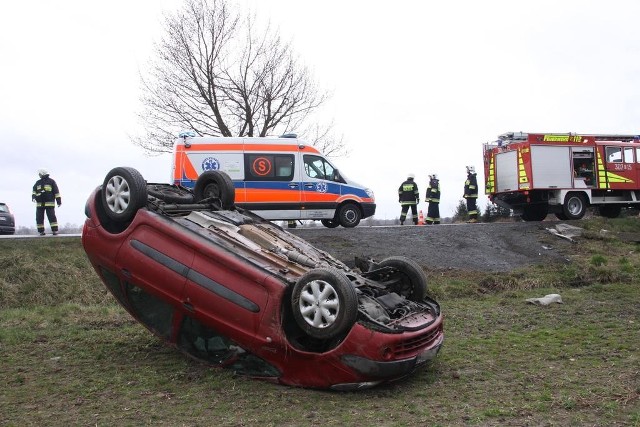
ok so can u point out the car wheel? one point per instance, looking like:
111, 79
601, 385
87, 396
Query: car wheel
411, 282
124, 191
610, 211
574, 206
349, 215
324, 303
217, 185
170, 193
329, 223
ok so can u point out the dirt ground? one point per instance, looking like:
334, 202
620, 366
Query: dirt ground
479, 247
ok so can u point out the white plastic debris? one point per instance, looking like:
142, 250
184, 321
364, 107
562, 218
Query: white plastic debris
546, 300
566, 231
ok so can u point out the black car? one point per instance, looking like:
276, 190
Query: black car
7, 221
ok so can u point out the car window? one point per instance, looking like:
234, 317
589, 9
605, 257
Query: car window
113, 283
156, 314
205, 344
4, 208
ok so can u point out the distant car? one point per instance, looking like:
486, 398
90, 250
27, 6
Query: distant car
7, 221
231, 289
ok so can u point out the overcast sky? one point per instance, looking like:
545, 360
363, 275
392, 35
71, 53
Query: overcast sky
417, 86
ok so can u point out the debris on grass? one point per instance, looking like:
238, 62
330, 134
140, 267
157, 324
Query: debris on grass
546, 300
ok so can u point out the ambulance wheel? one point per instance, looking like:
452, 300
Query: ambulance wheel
217, 185
408, 277
329, 223
170, 193
324, 303
349, 215
575, 206
124, 191
610, 211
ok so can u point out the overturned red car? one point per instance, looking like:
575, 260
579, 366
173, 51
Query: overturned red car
231, 289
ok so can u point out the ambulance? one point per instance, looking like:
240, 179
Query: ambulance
278, 178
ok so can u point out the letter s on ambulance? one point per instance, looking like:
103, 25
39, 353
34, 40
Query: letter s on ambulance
277, 178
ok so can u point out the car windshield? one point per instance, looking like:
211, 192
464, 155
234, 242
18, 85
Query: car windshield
4, 208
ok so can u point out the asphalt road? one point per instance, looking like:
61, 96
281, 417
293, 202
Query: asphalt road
478, 247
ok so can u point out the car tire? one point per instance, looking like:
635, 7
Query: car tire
124, 191
324, 303
575, 206
217, 185
349, 215
170, 193
413, 280
329, 223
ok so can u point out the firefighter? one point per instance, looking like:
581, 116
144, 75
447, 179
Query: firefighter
409, 197
433, 198
46, 195
471, 194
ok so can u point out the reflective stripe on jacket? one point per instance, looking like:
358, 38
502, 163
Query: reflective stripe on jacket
46, 193
471, 187
408, 193
433, 192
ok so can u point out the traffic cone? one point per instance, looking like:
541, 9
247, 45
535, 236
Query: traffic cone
420, 219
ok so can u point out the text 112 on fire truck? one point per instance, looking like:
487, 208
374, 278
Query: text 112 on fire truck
563, 173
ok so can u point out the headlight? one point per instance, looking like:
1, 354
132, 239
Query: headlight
370, 193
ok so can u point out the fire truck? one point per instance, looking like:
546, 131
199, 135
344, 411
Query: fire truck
535, 174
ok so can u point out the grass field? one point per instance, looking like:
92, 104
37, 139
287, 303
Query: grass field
70, 355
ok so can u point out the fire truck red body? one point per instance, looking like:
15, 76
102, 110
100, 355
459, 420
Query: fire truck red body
563, 173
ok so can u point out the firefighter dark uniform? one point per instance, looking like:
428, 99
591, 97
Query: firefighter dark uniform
409, 196
46, 195
433, 198
471, 194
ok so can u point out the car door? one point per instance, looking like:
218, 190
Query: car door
225, 293
156, 261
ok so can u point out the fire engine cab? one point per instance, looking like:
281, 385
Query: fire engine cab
563, 173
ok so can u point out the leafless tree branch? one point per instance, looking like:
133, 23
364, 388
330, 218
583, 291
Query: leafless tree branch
217, 74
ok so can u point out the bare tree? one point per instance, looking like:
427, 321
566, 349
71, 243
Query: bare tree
217, 74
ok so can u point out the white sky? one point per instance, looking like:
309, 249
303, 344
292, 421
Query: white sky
417, 86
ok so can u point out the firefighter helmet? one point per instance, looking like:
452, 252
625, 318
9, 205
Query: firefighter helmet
411, 176
42, 173
471, 169
434, 176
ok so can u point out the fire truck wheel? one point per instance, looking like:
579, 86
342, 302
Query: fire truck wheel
575, 206
534, 213
610, 211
